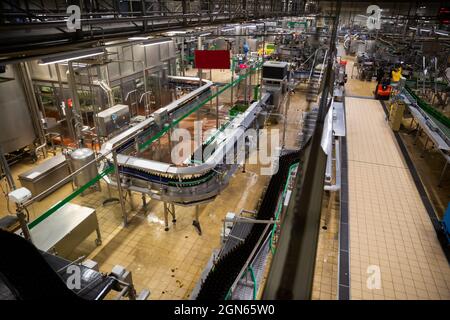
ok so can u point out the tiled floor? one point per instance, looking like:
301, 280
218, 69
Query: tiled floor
167, 263
390, 230
326, 269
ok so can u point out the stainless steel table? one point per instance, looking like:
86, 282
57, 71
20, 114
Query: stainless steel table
45, 175
65, 229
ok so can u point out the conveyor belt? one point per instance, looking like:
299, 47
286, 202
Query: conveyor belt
227, 268
240, 230
440, 120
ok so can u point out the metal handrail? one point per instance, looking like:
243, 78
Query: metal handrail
323, 65
251, 256
313, 65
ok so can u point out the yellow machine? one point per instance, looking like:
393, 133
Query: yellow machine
268, 50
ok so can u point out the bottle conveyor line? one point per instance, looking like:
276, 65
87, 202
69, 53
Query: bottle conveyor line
195, 182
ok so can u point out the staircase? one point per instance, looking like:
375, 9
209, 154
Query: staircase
315, 81
314, 86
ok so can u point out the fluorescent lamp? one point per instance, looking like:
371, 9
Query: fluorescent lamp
172, 33
138, 38
152, 42
75, 64
205, 34
227, 29
441, 33
70, 56
412, 28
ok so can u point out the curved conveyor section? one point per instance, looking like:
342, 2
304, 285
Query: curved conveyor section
196, 182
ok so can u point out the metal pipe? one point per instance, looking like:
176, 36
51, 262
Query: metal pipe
42, 146
337, 185
119, 188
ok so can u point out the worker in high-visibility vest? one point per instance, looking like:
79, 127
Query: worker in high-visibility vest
396, 74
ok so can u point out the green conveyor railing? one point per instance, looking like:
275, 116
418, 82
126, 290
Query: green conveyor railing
70, 197
441, 120
201, 104
142, 146
280, 206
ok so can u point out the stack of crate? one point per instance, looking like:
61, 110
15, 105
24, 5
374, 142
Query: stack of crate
396, 114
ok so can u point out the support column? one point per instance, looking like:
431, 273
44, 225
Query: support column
119, 188
64, 110
217, 110
78, 123
172, 212
182, 57
286, 107
199, 47
24, 75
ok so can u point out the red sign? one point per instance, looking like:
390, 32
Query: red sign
212, 59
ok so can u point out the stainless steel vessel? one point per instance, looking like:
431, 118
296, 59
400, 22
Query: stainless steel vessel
79, 158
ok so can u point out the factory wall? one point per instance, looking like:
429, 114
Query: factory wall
16, 126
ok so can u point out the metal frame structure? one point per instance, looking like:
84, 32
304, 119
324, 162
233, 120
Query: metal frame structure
40, 24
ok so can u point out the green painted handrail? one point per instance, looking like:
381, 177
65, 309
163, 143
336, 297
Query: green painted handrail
429, 109
110, 169
280, 205
255, 285
69, 198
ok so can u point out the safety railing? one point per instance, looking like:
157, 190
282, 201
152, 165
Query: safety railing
40, 213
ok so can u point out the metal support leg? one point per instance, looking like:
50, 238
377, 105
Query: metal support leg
257, 138
166, 217
119, 188
217, 110
443, 173
425, 147
110, 197
23, 223
144, 202
130, 195
196, 222
98, 241
417, 136
172, 212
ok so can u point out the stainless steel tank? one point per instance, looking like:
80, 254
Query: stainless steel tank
16, 125
79, 158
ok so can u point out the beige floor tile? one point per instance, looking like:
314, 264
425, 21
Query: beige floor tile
389, 225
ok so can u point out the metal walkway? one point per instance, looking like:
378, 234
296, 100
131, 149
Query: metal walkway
394, 249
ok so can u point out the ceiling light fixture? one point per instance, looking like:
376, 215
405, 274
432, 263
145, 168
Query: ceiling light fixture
153, 42
70, 56
138, 38
441, 33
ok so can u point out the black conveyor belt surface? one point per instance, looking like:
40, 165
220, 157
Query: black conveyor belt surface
227, 268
